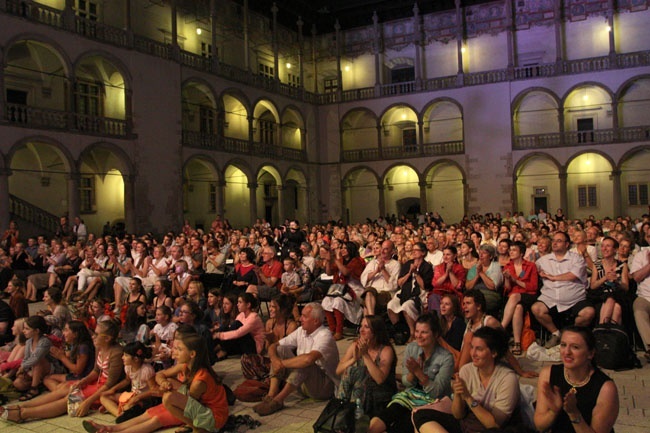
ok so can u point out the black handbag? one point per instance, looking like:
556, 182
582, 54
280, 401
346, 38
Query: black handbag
337, 417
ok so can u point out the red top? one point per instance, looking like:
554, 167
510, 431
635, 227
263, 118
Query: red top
446, 286
273, 268
528, 275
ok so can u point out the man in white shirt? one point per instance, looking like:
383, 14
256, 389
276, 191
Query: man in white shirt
305, 359
379, 278
640, 271
434, 255
564, 293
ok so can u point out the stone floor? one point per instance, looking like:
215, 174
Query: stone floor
300, 414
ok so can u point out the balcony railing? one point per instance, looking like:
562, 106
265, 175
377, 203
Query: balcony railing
580, 138
122, 38
34, 117
401, 152
238, 145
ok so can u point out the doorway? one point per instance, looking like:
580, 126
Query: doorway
541, 203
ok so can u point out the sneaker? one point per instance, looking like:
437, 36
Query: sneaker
552, 342
268, 407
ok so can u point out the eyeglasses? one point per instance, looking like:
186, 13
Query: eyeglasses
417, 249
184, 312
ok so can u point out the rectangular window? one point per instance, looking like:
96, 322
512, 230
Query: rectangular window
293, 80
637, 194
88, 98
207, 120
267, 131
586, 130
212, 198
402, 74
89, 11
266, 70
87, 194
206, 50
331, 85
587, 196
409, 140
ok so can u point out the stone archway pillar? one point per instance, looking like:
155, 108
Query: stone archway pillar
382, 200
616, 192
129, 203
423, 196
564, 200
73, 195
4, 197
252, 190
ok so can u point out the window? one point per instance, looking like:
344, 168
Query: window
402, 74
266, 70
586, 130
212, 197
637, 194
267, 135
206, 121
88, 98
87, 194
409, 139
331, 85
587, 196
293, 80
206, 50
89, 11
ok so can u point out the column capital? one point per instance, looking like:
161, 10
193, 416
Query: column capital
75, 175
5, 171
252, 185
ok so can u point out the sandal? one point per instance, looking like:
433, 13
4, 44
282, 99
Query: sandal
184, 429
33, 392
516, 349
4, 415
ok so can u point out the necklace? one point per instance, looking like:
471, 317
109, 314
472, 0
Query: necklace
578, 384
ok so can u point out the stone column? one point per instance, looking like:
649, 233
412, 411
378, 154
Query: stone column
301, 54
174, 12
510, 40
251, 134
130, 216
376, 48
382, 200
127, 22
616, 192
564, 201
417, 42
214, 29
515, 200
276, 63
339, 73
423, 196
559, 42
560, 118
420, 136
615, 118
247, 61
459, 41
68, 15
221, 196
380, 138
313, 57
344, 189
252, 189
4, 197
73, 194
612, 42
281, 216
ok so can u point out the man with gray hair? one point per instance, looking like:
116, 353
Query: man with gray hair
268, 276
306, 359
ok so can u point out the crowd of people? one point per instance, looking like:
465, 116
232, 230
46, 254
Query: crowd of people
134, 325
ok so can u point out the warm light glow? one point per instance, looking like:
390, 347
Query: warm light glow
288, 65
609, 28
199, 31
347, 68
403, 116
462, 50
588, 162
585, 97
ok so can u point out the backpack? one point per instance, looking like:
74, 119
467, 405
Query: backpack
613, 350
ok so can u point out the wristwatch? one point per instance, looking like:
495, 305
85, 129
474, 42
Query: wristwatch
473, 404
577, 420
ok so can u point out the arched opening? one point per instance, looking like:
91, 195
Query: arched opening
445, 188
237, 197
292, 129
399, 126
269, 195
442, 123
296, 198
200, 191
588, 116
36, 83
635, 182
101, 188
361, 195
538, 185
359, 136
199, 110
401, 190
235, 118
589, 187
